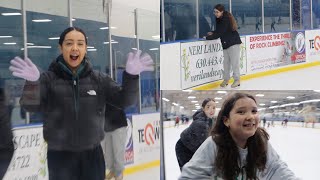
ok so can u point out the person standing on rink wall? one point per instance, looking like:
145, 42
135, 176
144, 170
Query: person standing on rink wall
198, 131
237, 148
230, 39
72, 96
115, 128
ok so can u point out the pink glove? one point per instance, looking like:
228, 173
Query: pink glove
136, 64
24, 69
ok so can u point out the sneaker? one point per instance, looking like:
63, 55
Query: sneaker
110, 175
224, 83
120, 177
235, 84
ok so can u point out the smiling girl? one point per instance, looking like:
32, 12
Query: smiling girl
237, 148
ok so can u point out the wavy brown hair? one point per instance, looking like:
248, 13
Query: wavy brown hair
233, 21
227, 160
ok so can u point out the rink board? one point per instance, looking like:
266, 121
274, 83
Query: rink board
142, 149
259, 53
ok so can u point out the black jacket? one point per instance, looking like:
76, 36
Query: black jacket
74, 105
115, 118
225, 33
5, 124
197, 132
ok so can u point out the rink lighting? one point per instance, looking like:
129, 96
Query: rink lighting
191, 97
154, 49
197, 104
102, 28
317, 91
39, 47
175, 104
73, 19
259, 95
11, 14
272, 107
261, 109
222, 92
217, 98
165, 99
113, 42
53, 38
290, 97
41, 20
198, 107
10, 43
156, 37
30, 44
290, 104
91, 49
310, 101
189, 90
194, 101
273, 101
181, 107
194, 110
262, 104
5, 36
134, 49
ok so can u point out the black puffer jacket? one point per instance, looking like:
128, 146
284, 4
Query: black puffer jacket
115, 118
74, 105
5, 124
197, 132
225, 33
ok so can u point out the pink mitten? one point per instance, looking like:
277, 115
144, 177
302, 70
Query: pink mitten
24, 69
136, 64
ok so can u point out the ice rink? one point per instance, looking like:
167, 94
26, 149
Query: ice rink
298, 146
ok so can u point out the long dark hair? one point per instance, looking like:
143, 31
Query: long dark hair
66, 31
228, 156
233, 22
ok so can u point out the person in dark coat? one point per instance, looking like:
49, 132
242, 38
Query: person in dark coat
230, 39
72, 97
115, 128
198, 131
6, 143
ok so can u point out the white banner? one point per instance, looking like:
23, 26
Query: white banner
29, 161
146, 137
313, 45
268, 51
200, 62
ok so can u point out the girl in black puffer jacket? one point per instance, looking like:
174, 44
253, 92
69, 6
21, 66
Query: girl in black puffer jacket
198, 131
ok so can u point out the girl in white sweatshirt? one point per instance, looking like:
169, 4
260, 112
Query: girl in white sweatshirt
237, 147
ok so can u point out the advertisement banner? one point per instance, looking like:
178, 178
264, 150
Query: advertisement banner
201, 62
29, 160
268, 51
299, 47
129, 153
146, 137
313, 45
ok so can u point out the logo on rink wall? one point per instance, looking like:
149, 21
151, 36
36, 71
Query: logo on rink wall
300, 42
129, 153
315, 43
150, 134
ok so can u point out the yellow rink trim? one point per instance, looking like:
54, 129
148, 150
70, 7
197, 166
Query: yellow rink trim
216, 84
141, 167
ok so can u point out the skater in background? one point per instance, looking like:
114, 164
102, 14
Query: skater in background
192, 137
114, 143
6, 143
264, 122
285, 123
230, 39
237, 148
72, 97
